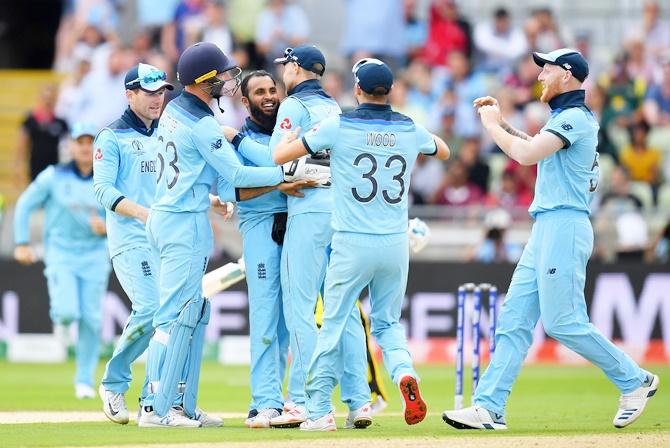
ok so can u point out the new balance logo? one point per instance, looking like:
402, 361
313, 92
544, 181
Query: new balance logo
262, 272
217, 145
146, 269
551, 271
567, 126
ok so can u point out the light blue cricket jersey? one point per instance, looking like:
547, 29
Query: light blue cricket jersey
373, 150
306, 106
252, 211
125, 167
192, 152
69, 203
568, 178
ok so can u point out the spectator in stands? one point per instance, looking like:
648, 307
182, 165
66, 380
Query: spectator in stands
455, 188
416, 30
375, 28
70, 88
153, 15
216, 28
660, 249
642, 162
495, 248
498, 44
507, 195
657, 99
400, 101
638, 67
543, 32
186, 25
653, 31
280, 24
478, 170
618, 198
523, 81
333, 84
246, 14
39, 137
426, 177
448, 32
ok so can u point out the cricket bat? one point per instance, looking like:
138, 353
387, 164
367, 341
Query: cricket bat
223, 278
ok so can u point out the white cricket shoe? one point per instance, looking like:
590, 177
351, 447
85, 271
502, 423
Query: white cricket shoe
324, 423
290, 419
262, 419
288, 405
361, 418
114, 405
413, 406
631, 405
206, 420
149, 419
474, 417
83, 391
378, 405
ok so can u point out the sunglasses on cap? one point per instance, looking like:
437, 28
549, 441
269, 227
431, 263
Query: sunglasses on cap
149, 78
365, 61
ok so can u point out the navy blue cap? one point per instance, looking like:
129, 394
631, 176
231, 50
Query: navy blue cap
200, 62
306, 56
146, 77
371, 73
567, 59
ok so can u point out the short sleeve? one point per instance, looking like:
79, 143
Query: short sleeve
425, 141
568, 125
322, 136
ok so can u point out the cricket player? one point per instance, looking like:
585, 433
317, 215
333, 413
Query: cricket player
373, 150
304, 256
549, 279
192, 152
77, 265
125, 183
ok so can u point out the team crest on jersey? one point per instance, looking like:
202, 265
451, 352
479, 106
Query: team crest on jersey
286, 124
217, 145
98, 154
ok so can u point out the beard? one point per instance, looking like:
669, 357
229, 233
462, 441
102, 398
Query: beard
266, 121
549, 92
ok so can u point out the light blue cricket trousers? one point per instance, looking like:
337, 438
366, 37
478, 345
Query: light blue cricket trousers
356, 261
137, 271
268, 334
549, 282
76, 291
303, 270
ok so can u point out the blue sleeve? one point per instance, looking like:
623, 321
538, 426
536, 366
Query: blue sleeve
35, 196
106, 161
425, 142
226, 191
289, 116
568, 125
220, 155
323, 135
257, 153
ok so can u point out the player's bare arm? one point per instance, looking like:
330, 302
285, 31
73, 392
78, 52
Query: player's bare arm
526, 152
443, 151
132, 209
290, 147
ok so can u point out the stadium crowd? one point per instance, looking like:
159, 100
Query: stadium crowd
442, 59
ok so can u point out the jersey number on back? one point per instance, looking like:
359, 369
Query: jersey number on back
399, 162
168, 146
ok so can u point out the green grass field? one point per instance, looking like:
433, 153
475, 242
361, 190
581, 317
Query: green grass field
546, 401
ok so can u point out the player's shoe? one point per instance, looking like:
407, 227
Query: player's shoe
263, 418
631, 405
474, 417
113, 405
149, 419
206, 420
324, 423
83, 391
288, 405
361, 418
378, 405
413, 406
290, 419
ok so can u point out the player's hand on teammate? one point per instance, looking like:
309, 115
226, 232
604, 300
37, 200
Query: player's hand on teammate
289, 136
293, 188
229, 132
490, 116
98, 225
24, 254
222, 208
142, 214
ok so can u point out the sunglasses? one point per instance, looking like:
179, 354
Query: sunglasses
365, 61
149, 78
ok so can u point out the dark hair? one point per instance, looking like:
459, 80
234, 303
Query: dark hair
501, 13
244, 87
641, 125
379, 91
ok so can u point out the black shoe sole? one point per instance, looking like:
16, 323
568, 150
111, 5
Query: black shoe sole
286, 425
455, 424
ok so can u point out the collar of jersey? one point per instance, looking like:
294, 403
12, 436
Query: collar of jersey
255, 127
373, 106
310, 84
196, 102
73, 166
134, 122
573, 98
